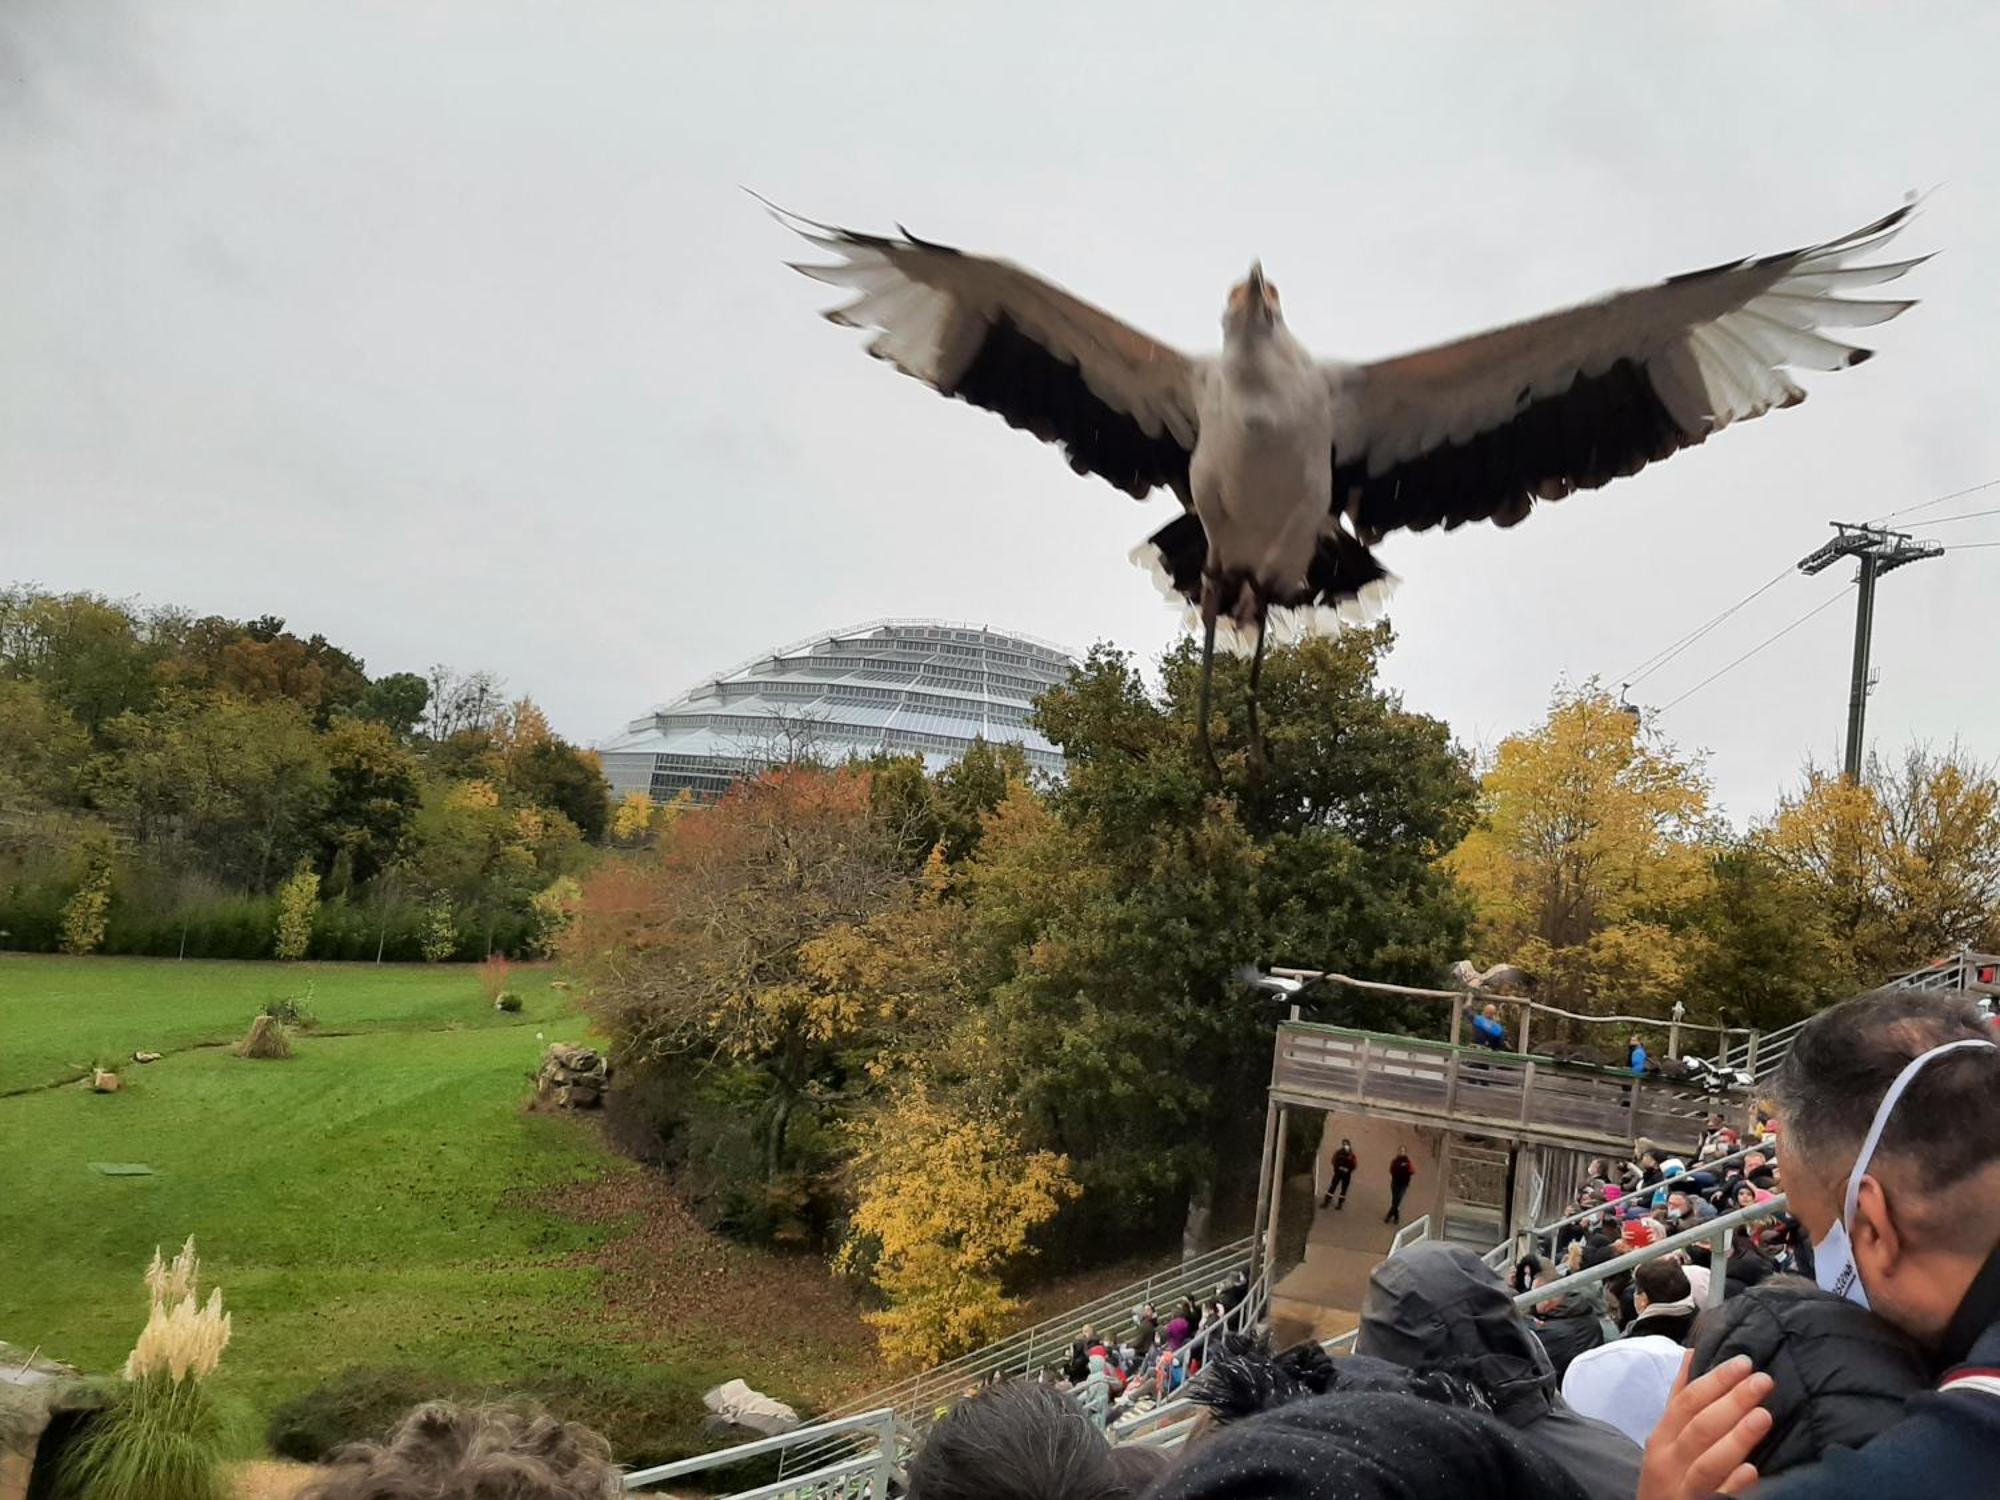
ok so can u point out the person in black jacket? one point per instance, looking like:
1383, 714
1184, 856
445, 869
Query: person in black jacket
1842, 1374
1891, 1106
1568, 1325
1663, 1302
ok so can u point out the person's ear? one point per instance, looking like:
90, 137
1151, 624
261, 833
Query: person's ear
1876, 1239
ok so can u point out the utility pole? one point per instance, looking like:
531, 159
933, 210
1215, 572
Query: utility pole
1878, 552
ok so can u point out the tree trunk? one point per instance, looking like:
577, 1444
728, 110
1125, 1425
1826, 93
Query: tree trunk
1195, 1237
781, 1119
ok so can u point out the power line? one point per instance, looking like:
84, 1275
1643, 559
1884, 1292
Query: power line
1666, 654
1970, 546
1927, 504
1769, 640
1970, 515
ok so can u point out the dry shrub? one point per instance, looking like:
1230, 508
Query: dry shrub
266, 1039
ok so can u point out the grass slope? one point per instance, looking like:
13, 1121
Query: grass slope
379, 1199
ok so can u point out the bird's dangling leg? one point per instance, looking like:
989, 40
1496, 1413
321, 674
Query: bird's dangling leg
1208, 611
1256, 676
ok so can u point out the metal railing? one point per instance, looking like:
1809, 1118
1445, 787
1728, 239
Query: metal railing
1959, 973
1165, 1423
1718, 1232
863, 1471
916, 1398
1417, 1229
1503, 1252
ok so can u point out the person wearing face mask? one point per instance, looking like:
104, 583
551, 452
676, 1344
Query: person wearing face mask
1891, 1115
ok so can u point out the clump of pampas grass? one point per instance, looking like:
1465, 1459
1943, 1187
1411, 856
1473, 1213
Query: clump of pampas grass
160, 1438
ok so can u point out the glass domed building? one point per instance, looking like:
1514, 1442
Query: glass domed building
926, 687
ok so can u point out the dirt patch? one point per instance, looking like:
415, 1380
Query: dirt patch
668, 1279
269, 1479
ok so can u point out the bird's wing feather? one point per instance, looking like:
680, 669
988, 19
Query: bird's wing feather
1121, 405
1480, 429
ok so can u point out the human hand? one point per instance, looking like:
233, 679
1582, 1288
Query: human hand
1710, 1428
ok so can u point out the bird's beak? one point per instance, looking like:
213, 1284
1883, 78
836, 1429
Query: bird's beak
1255, 280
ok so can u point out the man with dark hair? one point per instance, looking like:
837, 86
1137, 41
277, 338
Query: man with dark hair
1662, 1300
1891, 1109
446, 1452
1021, 1441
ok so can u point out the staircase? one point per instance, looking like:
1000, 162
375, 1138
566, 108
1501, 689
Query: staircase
1964, 973
916, 1400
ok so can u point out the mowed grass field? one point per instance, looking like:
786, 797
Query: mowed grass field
381, 1200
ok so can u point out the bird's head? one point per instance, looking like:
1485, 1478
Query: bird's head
1253, 304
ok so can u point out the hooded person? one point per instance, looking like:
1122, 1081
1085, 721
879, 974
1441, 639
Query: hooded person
1367, 1445
1438, 1307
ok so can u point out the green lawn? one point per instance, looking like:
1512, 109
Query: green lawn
378, 1200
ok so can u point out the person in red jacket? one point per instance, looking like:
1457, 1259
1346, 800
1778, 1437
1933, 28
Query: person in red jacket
1400, 1173
1344, 1163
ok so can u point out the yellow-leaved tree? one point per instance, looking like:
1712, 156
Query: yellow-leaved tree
1906, 863
1593, 841
946, 1200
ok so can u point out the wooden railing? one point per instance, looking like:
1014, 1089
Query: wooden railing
1531, 1098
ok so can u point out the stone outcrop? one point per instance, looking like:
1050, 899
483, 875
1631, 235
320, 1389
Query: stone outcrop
572, 1077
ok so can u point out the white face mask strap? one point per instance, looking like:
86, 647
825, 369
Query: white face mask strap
1882, 1112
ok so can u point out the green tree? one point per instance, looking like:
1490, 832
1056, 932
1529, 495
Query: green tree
42, 747
1108, 921
396, 701
219, 782
567, 780
440, 929
90, 655
374, 794
1764, 952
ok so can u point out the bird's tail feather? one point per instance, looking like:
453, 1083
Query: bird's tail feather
1345, 585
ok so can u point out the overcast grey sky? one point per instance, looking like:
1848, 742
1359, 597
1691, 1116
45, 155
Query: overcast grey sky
443, 328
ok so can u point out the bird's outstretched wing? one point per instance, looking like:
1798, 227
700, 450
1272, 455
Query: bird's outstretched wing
1119, 404
1481, 429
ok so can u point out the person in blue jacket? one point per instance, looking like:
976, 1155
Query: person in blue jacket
1891, 1105
1488, 1031
1637, 1057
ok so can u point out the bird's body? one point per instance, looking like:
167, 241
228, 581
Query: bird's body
1290, 468
1261, 482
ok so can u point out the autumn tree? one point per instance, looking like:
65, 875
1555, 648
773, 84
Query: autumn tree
721, 958
946, 1201
1593, 841
1906, 864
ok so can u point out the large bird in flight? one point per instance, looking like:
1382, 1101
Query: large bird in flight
1290, 467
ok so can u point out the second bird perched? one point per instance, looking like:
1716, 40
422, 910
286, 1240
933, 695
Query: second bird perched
1291, 467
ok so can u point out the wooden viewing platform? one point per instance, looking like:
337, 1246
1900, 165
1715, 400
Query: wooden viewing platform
1480, 1092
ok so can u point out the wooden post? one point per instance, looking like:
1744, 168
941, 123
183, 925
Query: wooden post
1276, 1191
1451, 1083
1527, 1014
1527, 1091
1457, 1019
1259, 1251
1361, 1073
1750, 1055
